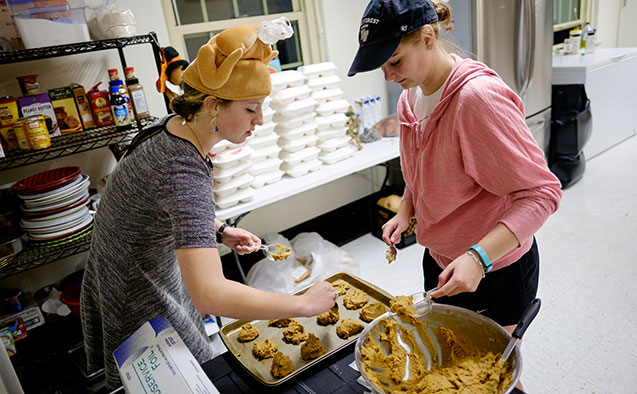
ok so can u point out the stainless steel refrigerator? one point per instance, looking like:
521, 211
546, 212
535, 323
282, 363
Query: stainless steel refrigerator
513, 37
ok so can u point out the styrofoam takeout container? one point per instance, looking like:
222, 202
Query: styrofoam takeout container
297, 144
263, 166
331, 133
304, 129
224, 175
331, 121
268, 113
264, 129
318, 70
228, 188
285, 123
324, 95
297, 108
265, 153
267, 178
286, 79
332, 107
241, 195
332, 144
295, 158
337, 155
301, 168
258, 142
288, 95
230, 157
319, 83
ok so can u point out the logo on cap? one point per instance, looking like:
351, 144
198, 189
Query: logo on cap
364, 34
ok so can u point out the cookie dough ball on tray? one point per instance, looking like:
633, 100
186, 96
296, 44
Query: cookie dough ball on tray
294, 334
341, 286
281, 365
265, 349
355, 299
247, 333
371, 311
281, 322
349, 327
329, 317
312, 348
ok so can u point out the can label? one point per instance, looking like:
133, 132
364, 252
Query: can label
20, 135
37, 133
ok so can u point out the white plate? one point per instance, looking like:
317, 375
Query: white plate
67, 195
83, 224
58, 227
55, 206
70, 216
55, 215
54, 191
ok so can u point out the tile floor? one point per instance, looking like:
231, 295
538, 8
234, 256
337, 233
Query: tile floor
584, 339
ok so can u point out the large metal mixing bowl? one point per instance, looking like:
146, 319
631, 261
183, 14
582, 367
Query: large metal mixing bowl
486, 334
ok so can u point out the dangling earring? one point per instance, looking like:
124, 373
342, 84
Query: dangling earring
430, 46
213, 124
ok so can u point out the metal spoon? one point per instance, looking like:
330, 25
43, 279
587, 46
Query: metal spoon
527, 317
276, 252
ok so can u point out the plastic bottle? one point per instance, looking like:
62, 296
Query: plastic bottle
575, 36
121, 88
586, 31
119, 108
379, 109
136, 94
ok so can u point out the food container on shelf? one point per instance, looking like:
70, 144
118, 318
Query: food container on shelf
331, 121
45, 23
304, 129
286, 79
324, 95
297, 108
236, 183
288, 95
297, 144
223, 175
264, 166
332, 107
263, 129
229, 158
267, 152
241, 195
320, 83
332, 144
295, 158
285, 123
258, 142
267, 178
331, 133
302, 168
337, 155
318, 70
268, 113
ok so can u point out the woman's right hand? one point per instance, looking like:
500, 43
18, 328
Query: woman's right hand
318, 299
394, 228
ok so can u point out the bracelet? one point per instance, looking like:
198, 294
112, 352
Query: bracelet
483, 256
477, 262
219, 234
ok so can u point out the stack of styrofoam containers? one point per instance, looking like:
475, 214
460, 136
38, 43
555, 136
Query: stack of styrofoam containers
265, 160
231, 180
295, 124
333, 141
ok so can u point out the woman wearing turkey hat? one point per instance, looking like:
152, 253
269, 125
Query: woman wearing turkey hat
476, 180
154, 247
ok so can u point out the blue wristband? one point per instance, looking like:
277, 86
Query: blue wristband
483, 256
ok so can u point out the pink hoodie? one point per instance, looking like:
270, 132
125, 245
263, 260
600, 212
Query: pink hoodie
475, 164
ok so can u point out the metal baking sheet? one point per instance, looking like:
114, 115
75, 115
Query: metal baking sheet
260, 369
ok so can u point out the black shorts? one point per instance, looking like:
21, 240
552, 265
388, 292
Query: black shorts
502, 295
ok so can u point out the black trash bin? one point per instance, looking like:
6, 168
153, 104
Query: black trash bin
571, 127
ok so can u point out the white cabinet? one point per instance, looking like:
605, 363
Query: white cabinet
610, 78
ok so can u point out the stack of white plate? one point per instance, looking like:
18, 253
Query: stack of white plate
57, 213
265, 160
333, 143
291, 98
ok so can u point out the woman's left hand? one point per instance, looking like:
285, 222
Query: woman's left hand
240, 240
461, 276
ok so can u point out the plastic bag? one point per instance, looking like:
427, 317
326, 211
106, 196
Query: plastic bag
110, 20
322, 258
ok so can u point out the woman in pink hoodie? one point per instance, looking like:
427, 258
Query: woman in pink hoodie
476, 180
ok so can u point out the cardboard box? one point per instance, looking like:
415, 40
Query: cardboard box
83, 105
65, 111
155, 360
40, 104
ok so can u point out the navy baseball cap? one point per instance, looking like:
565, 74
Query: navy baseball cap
383, 25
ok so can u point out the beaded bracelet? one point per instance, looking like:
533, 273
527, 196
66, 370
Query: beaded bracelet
474, 258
